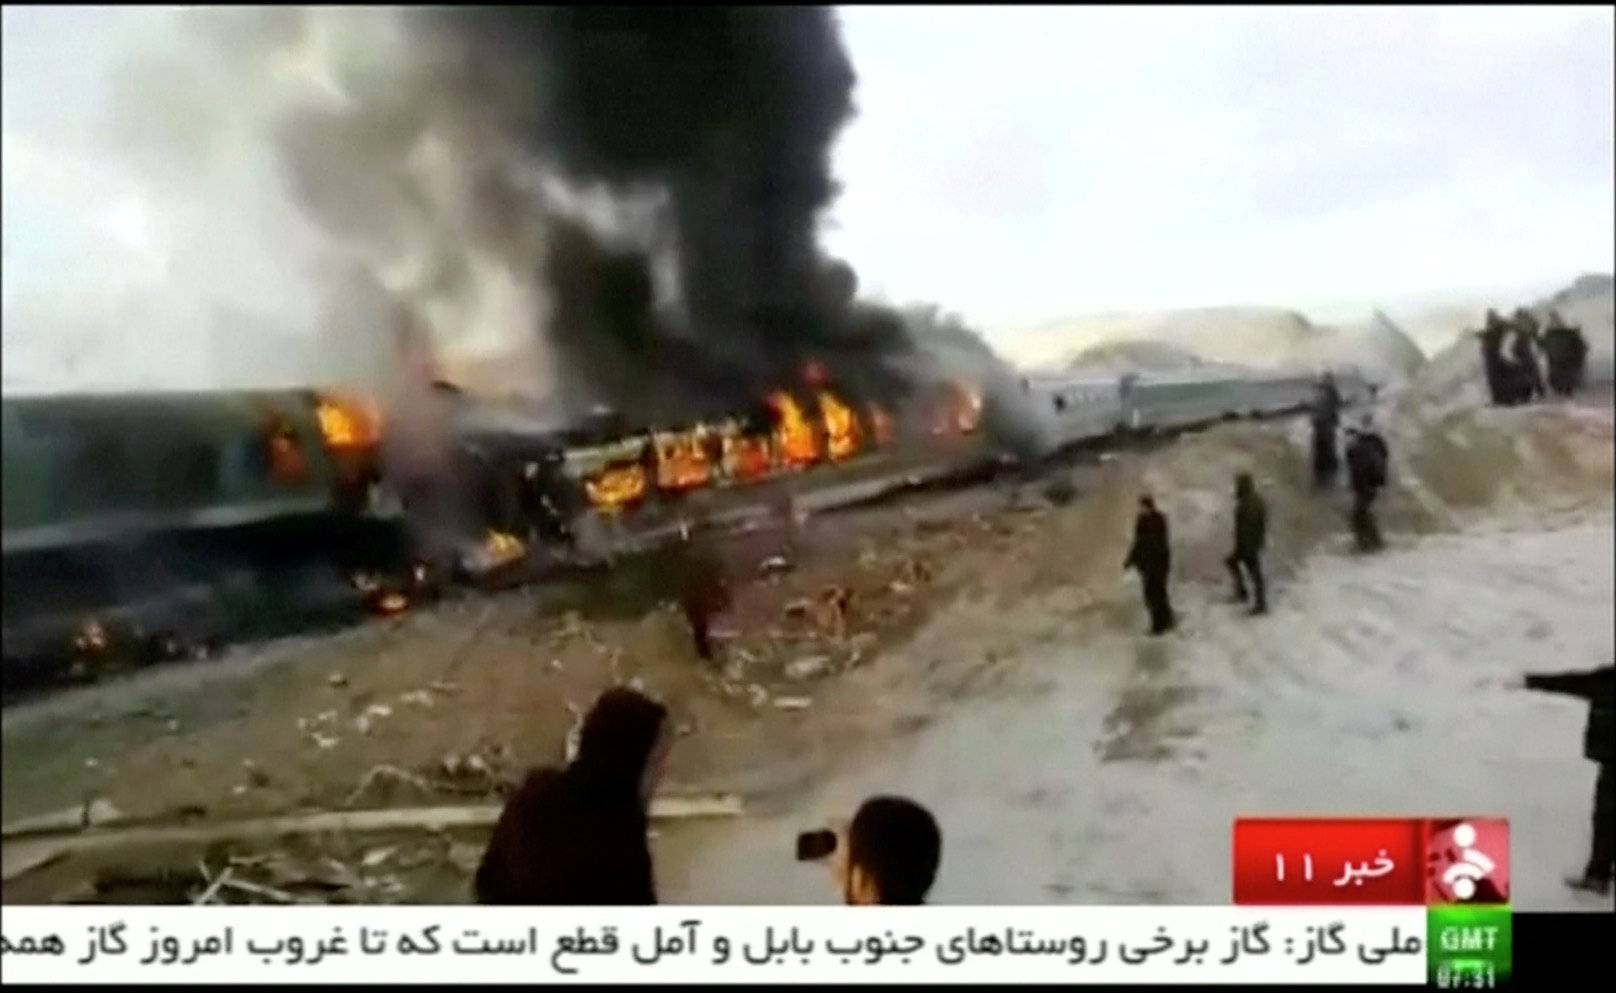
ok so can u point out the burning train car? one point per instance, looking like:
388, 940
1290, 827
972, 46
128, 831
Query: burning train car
162, 516
180, 516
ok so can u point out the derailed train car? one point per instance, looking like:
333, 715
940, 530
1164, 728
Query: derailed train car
173, 516
1071, 408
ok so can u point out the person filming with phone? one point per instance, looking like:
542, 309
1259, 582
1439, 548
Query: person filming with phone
886, 856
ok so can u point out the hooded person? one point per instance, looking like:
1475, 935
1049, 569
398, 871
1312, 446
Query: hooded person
577, 836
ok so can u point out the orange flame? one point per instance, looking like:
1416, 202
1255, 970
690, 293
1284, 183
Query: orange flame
682, 460
880, 426
746, 457
347, 424
615, 488
841, 427
968, 408
793, 434
502, 548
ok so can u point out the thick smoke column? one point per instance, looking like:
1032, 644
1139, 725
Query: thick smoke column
730, 114
582, 206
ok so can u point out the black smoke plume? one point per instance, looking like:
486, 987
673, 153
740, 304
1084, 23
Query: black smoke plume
730, 114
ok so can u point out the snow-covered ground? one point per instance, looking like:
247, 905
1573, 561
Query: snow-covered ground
1093, 765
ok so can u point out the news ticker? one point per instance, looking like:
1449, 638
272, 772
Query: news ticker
720, 945
1368, 901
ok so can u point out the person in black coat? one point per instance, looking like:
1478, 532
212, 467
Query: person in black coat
1151, 557
577, 836
1326, 415
1523, 352
1598, 687
1367, 458
1493, 362
1250, 530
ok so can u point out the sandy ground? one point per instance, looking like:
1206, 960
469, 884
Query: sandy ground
1096, 766
993, 666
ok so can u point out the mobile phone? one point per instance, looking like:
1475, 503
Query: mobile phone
813, 845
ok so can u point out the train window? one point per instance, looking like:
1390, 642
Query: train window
187, 473
94, 472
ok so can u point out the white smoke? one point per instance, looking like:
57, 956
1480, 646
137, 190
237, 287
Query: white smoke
263, 197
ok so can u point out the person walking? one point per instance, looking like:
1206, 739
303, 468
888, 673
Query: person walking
1250, 530
1151, 557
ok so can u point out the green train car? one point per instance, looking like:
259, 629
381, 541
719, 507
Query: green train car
168, 512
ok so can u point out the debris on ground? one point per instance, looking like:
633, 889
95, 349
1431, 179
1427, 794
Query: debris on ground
774, 565
388, 774
416, 698
336, 680
376, 856
808, 667
95, 812
793, 703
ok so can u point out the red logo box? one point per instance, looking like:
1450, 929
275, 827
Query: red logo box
1467, 860
1322, 861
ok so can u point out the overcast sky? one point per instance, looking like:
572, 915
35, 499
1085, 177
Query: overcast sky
1024, 163
1013, 164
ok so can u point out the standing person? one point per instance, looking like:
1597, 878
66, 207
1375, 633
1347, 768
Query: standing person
577, 836
1597, 687
1326, 416
1151, 556
703, 587
1567, 352
1250, 530
1523, 350
888, 855
1492, 356
1367, 457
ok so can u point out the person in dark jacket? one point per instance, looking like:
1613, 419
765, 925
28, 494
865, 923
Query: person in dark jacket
1598, 687
1367, 458
1250, 530
1566, 352
703, 585
1523, 351
1151, 557
1325, 417
1492, 356
577, 836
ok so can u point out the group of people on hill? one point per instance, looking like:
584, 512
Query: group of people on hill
1510, 350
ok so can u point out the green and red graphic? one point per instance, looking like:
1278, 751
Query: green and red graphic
1456, 867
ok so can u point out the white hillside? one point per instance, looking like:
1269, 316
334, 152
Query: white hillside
1257, 337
